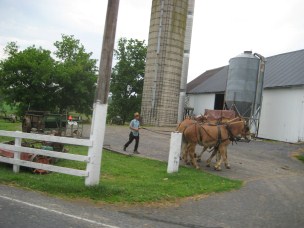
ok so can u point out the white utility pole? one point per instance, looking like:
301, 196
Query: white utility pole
101, 96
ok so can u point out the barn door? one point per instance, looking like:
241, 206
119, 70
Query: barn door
219, 101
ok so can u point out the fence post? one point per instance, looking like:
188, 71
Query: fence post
97, 137
174, 154
16, 168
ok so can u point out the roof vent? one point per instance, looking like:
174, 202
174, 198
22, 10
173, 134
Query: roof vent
247, 52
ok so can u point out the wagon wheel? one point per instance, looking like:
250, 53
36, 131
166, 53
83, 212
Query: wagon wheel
43, 160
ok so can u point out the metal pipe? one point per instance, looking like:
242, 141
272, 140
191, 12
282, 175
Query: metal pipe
157, 54
256, 111
160, 26
184, 75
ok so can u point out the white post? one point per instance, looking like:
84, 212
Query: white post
175, 150
16, 168
97, 137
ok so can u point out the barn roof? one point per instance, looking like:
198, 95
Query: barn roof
202, 78
281, 70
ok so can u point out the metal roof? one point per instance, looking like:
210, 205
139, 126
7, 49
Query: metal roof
202, 78
285, 70
281, 70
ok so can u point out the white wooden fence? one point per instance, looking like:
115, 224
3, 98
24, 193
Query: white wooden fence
17, 149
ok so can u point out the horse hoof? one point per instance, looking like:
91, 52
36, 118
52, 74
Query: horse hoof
188, 163
208, 165
197, 167
228, 167
217, 168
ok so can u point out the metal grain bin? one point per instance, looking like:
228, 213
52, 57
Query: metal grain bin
244, 82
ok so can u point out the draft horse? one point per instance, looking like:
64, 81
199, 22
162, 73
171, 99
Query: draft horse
210, 135
188, 121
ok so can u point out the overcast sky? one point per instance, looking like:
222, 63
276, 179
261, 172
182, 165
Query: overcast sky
222, 29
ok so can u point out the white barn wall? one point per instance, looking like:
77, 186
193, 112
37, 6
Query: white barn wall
200, 102
282, 114
301, 121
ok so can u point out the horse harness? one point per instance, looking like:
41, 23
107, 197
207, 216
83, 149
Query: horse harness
219, 134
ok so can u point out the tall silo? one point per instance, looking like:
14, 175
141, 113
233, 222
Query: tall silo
245, 86
164, 62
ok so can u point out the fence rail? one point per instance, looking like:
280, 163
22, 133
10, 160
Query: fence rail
34, 165
17, 149
51, 138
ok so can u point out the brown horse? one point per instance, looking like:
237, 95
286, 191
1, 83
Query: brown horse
215, 121
214, 117
188, 121
217, 136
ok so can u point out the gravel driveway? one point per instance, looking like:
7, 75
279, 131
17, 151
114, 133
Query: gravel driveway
272, 195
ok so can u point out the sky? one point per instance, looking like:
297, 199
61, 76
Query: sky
221, 30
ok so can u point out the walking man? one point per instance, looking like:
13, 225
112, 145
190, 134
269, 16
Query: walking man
134, 134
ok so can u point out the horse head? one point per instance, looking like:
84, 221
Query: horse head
239, 128
246, 131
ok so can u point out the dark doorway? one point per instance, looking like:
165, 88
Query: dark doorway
219, 101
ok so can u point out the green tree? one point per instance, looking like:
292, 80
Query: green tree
11, 48
32, 79
27, 78
1, 103
127, 78
76, 75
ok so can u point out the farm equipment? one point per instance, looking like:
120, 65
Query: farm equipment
219, 116
34, 157
45, 122
117, 120
41, 122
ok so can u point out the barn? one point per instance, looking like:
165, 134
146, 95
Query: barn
282, 110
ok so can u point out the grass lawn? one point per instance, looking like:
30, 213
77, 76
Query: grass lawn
300, 157
124, 179
8, 126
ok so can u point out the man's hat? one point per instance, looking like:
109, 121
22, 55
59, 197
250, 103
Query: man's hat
136, 114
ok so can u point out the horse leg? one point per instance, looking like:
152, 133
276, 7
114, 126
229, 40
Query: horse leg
188, 157
221, 151
184, 153
218, 156
227, 165
208, 161
191, 152
199, 158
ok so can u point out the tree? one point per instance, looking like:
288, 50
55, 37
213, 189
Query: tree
127, 78
26, 78
33, 79
76, 75
11, 48
1, 103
